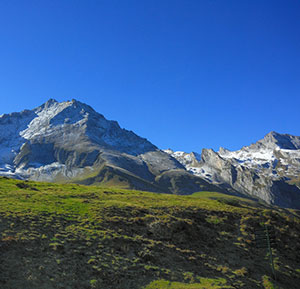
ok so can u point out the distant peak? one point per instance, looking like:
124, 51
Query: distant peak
77, 103
275, 136
273, 133
283, 141
74, 103
223, 151
51, 101
54, 101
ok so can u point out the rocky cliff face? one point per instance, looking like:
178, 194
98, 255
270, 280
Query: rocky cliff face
268, 169
70, 141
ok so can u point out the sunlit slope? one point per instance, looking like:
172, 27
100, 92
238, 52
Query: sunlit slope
74, 236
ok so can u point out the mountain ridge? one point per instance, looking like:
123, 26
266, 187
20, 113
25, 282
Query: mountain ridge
268, 169
70, 142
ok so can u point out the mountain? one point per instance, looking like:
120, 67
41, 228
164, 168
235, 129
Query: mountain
268, 169
71, 142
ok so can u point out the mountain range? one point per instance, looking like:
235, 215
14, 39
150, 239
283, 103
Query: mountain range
268, 169
70, 142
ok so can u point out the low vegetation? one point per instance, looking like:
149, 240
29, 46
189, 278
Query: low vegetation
73, 236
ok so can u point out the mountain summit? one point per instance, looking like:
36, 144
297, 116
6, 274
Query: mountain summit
77, 120
281, 141
70, 141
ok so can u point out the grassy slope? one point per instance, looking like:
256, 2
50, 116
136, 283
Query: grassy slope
107, 176
73, 236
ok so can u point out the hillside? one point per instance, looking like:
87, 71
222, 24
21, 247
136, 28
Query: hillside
74, 236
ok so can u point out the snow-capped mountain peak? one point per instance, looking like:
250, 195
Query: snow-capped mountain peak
275, 140
61, 141
57, 128
264, 169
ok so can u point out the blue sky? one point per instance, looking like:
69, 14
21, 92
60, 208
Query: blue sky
184, 74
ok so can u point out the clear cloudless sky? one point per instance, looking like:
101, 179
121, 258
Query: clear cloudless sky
185, 74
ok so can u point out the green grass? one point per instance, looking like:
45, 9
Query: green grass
71, 199
204, 283
75, 236
268, 283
